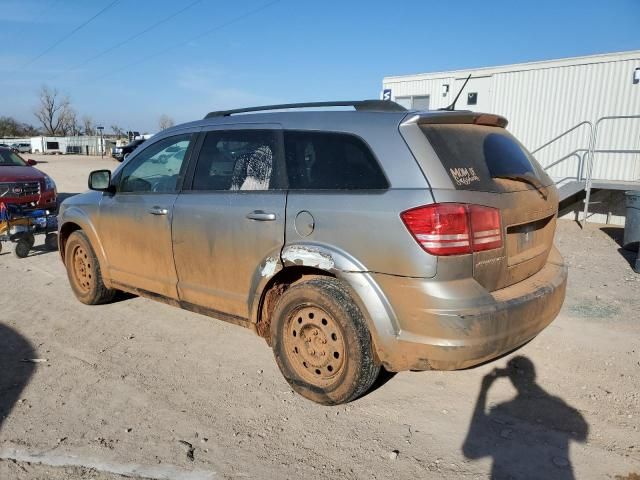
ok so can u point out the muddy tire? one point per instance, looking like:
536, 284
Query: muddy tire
83, 271
321, 342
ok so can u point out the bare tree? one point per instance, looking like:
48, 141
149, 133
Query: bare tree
54, 113
117, 131
165, 122
69, 123
87, 124
10, 127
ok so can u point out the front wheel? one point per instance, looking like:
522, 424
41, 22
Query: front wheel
84, 272
321, 342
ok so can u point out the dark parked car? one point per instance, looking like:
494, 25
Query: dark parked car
120, 153
22, 184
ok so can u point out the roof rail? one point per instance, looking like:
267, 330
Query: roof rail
359, 105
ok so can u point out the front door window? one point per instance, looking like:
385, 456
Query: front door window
158, 168
237, 160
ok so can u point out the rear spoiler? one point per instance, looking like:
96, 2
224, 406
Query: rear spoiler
465, 117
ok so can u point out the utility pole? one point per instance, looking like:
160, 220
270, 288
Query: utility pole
101, 142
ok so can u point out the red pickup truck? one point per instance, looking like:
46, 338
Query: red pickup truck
22, 184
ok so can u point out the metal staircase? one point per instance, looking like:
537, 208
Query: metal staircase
584, 181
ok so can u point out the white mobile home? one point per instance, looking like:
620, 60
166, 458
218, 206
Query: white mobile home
566, 98
82, 145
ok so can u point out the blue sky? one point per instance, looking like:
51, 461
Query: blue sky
257, 51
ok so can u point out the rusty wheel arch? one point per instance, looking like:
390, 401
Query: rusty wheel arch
274, 290
66, 230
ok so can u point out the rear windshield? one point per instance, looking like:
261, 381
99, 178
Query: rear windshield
475, 155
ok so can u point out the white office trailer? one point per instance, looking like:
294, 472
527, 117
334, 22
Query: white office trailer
81, 145
566, 111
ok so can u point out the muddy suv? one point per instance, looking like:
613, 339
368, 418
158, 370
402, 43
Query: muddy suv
350, 240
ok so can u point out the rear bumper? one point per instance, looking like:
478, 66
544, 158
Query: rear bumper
433, 335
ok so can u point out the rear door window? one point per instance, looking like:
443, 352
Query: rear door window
238, 160
474, 156
331, 161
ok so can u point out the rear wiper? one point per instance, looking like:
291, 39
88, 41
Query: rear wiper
523, 177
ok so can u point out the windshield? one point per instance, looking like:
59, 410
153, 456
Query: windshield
11, 159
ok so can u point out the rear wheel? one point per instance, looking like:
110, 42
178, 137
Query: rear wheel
83, 271
321, 342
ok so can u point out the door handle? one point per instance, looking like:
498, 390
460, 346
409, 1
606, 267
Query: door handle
261, 216
158, 211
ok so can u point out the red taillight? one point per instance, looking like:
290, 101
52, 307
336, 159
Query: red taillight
485, 225
441, 228
454, 228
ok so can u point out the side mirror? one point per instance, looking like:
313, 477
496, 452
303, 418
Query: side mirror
31, 163
100, 180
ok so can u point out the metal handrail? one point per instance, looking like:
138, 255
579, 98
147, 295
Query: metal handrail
575, 153
581, 161
592, 152
566, 132
622, 150
586, 150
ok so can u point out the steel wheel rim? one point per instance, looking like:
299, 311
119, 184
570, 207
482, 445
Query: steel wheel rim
315, 345
82, 269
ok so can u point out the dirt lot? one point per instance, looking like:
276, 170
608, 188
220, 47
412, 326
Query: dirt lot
140, 389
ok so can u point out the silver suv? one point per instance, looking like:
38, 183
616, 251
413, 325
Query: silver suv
350, 240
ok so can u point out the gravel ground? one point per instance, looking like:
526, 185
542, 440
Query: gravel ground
140, 389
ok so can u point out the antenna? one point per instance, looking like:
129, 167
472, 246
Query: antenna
452, 107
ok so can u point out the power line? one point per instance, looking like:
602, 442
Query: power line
83, 24
137, 35
196, 37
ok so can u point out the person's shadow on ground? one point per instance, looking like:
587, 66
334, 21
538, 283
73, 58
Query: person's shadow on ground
14, 372
528, 436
